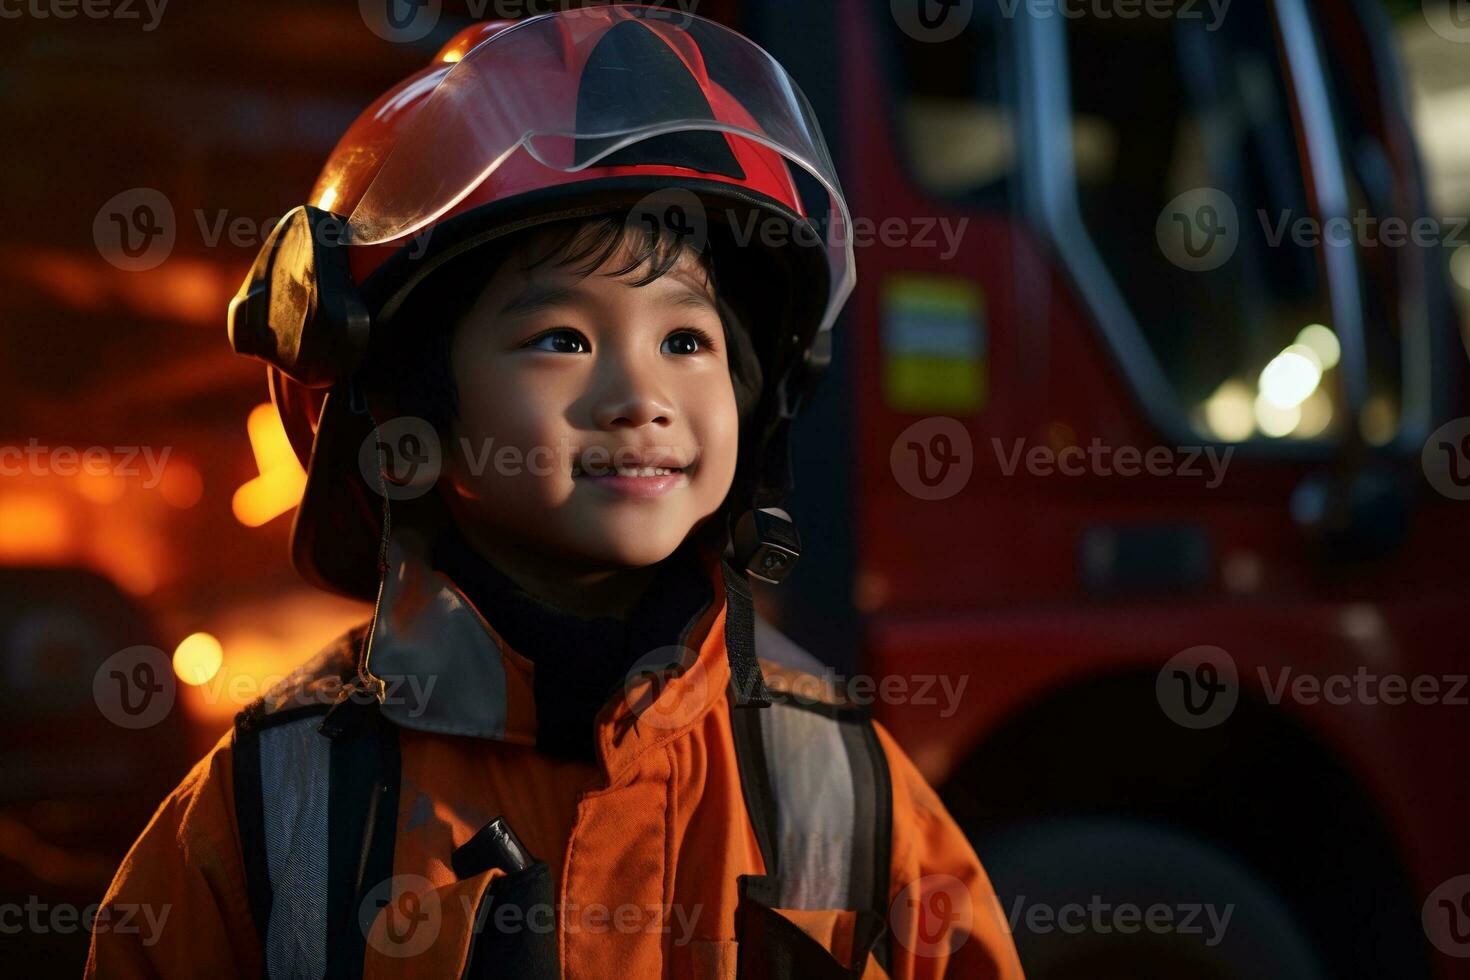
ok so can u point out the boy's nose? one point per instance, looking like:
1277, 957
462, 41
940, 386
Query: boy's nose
632, 411
630, 402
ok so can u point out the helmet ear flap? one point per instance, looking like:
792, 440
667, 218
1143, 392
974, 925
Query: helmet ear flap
299, 309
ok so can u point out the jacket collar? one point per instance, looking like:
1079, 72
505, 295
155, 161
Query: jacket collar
436, 664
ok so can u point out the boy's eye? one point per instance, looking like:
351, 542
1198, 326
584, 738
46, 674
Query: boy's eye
564, 341
687, 341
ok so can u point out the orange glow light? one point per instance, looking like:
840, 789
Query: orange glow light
181, 485
198, 658
100, 488
281, 480
33, 528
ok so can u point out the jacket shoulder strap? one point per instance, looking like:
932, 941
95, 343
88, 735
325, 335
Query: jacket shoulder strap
316, 774
818, 792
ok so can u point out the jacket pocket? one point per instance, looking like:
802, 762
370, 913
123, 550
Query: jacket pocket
514, 932
802, 944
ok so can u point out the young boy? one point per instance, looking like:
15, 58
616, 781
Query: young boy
553, 751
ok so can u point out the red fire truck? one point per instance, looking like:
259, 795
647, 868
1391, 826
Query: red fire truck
1129, 484
979, 505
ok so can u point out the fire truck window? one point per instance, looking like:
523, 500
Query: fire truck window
1393, 298
956, 126
1167, 106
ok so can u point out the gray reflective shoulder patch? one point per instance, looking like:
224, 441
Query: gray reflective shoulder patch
831, 793
814, 806
295, 782
426, 629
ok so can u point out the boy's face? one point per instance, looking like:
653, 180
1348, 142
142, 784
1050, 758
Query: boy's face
597, 418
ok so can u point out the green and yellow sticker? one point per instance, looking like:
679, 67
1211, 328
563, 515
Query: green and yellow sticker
934, 344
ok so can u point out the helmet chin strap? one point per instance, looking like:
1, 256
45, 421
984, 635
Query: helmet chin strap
765, 540
358, 403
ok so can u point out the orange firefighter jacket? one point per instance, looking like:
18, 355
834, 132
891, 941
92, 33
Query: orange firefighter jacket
727, 825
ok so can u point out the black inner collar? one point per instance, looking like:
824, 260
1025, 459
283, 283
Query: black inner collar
580, 663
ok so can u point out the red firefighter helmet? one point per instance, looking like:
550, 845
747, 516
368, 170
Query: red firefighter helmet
515, 124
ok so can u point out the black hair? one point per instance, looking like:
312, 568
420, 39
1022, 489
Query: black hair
412, 366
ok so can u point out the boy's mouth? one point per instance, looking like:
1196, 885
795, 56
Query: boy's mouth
630, 464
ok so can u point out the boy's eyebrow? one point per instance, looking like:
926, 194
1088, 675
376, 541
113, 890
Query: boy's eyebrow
539, 296
536, 297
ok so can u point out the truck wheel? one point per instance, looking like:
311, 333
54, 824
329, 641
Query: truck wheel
1115, 899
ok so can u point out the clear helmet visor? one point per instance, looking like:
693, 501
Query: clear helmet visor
576, 89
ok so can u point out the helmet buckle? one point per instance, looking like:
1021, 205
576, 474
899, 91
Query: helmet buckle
766, 544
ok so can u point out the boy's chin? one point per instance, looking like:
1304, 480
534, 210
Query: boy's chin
627, 545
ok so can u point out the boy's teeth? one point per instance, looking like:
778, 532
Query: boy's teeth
629, 471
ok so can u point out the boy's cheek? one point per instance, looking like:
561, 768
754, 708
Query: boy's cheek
717, 472
512, 477
720, 446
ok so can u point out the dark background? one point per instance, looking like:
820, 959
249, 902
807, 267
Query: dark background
227, 111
